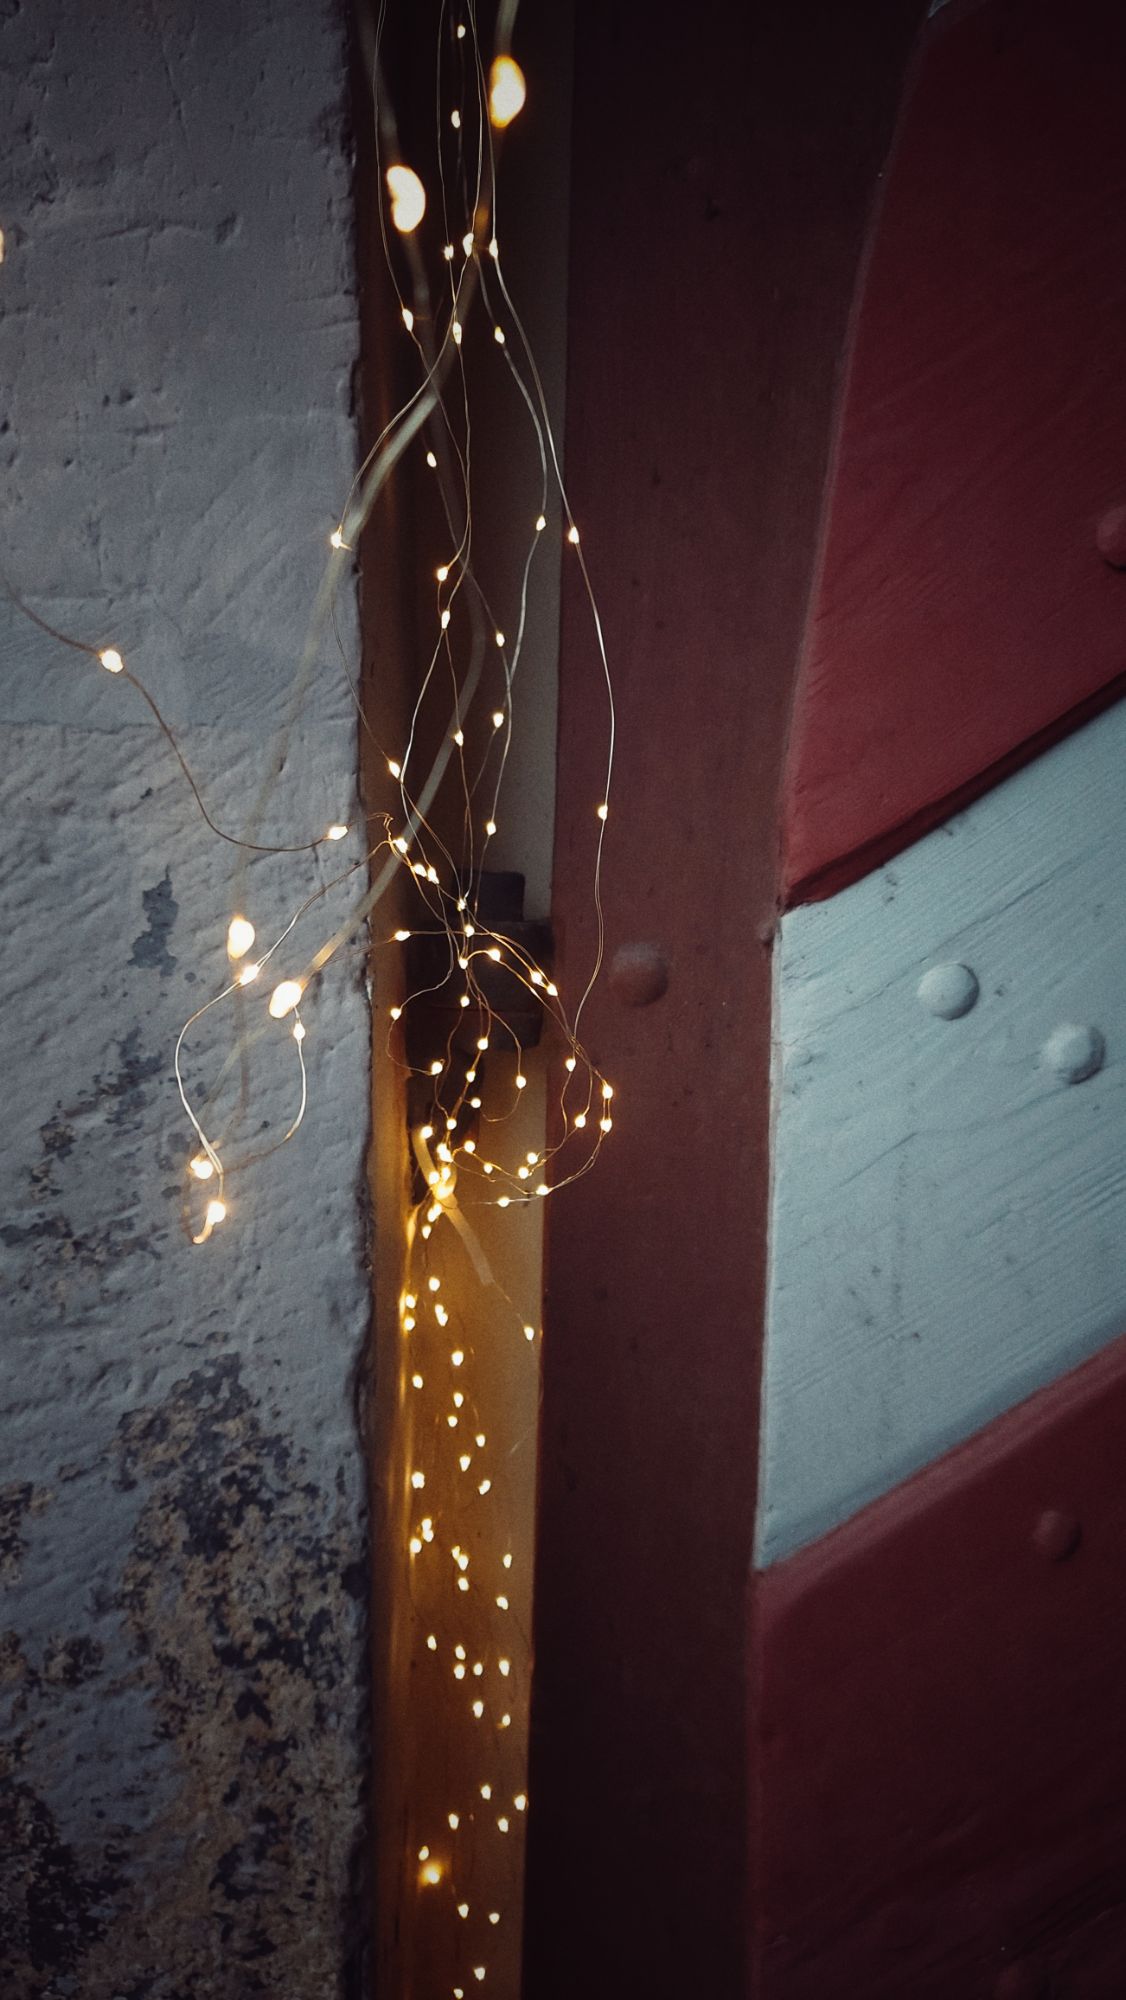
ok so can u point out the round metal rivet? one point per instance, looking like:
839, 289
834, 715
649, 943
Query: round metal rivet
639, 974
1073, 1053
1110, 536
948, 991
1056, 1535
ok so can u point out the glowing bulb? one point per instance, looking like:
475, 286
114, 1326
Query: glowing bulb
494, 247
399, 844
336, 831
494, 1916
432, 1642
498, 718
467, 243
248, 974
484, 1486
442, 572
498, 335
543, 1188
435, 1068
471, 1074
469, 1145
240, 937
455, 120
490, 827
458, 1399
111, 660
503, 1201
431, 1873
336, 539
448, 252
503, 1823
459, 1673
444, 620
478, 1970
475, 1105
506, 1562
541, 523
570, 1063
418, 1480
457, 1357
504, 1666
401, 937
494, 953
464, 1001
431, 461
394, 768
201, 1167
482, 1041
502, 1604
395, 1013
285, 997
456, 330
452, 1422
424, 1854
408, 198
415, 1546
580, 1120
603, 812
461, 31
408, 1323
459, 737
507, 91
433, 1284
607, 1091
463, 1909
462, 1583
417, 1381
529, 1334
573, 535
479, 1440
522, 1173
408, 318
486, 1791
520, 1801
605, 1124
214, 1213
521, 1083
454, 1822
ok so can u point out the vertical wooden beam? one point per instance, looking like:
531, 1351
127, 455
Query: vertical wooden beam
724, 165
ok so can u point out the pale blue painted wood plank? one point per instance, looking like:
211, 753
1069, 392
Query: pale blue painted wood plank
948, 1214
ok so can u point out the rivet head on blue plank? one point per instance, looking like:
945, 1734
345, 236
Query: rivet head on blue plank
1073, 1052
948, 991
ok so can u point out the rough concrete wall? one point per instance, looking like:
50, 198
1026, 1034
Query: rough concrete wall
182, 1545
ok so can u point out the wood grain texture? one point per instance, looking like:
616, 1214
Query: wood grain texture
946, 1231
964, 614
941, 1737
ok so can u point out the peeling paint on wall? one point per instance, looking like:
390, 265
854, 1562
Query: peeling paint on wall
183, 1553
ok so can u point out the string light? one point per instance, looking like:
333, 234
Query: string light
240, 937
408, 198
285, 997
507, 91
457, 1176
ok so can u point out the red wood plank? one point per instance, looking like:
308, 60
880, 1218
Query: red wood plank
965, 613
942, 1730
724, 162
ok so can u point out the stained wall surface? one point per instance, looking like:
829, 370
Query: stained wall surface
182, 1542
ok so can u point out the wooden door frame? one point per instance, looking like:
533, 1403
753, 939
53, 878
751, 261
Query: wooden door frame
725, 163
